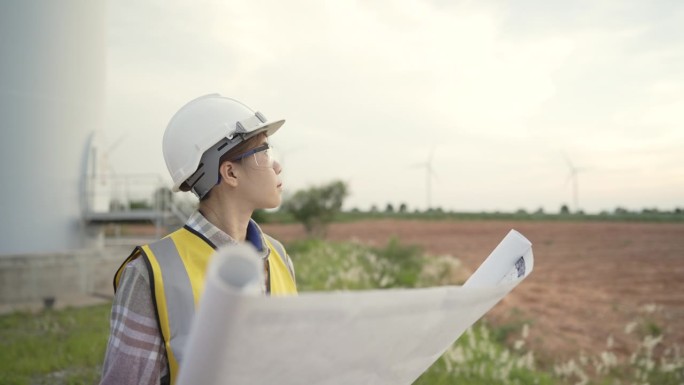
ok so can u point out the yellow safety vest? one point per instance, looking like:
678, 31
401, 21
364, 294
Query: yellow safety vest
177, 264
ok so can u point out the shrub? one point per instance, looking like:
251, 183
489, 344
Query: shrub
317, 206
348, 266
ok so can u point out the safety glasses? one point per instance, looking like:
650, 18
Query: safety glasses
264, 156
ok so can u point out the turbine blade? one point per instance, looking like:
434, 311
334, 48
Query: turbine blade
568, 161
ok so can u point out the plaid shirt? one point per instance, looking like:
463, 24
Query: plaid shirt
135, 351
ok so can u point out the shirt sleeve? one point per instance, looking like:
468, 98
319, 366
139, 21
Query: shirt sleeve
135, 351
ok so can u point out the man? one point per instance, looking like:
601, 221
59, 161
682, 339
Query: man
217, 148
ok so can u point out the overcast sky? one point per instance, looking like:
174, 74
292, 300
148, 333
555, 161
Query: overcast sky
499, 90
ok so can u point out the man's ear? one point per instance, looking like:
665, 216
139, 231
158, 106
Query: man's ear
228, 173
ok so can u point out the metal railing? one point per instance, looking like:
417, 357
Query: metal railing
132, 198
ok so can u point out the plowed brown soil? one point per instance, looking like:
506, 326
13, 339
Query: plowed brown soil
590, 280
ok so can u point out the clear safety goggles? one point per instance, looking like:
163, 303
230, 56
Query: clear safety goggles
264, 156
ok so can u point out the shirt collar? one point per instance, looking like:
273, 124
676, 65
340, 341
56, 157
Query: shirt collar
218, 237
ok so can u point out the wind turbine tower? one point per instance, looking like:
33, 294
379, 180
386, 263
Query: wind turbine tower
52, 96
429, 175
573, 177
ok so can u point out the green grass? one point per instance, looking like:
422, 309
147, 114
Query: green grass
54, 347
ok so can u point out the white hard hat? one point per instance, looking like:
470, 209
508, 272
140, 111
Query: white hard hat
203, 130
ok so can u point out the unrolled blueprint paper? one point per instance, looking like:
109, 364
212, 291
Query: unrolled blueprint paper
362, 337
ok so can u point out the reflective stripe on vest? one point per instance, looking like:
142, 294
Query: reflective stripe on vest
177, 286
275, 245
178, 265
280, 273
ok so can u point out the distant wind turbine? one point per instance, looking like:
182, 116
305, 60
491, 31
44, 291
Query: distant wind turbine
429, 175
573, 177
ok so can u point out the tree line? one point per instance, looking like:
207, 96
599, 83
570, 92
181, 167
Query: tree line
317, 206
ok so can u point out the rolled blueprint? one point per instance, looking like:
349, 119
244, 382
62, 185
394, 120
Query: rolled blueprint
235, 272
362, 337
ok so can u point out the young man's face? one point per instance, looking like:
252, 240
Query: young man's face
260, 184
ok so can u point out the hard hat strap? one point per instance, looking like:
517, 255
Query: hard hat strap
200, 182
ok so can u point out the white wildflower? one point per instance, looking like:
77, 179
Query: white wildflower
608, 359
505, 370
668, 367
583, 359
455, 355
650, 342
504, 357
629, 328
526, 361
518, 344
649, 308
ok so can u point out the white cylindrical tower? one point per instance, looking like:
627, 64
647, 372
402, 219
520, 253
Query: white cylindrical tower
52, 78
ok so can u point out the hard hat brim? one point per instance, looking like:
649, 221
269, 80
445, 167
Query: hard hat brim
269, 128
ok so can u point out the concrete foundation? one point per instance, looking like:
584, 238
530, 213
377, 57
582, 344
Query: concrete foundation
34, 281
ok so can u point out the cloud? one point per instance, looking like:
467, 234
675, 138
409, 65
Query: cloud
368, 88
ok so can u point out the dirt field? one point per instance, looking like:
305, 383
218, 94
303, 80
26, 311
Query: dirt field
590, 280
